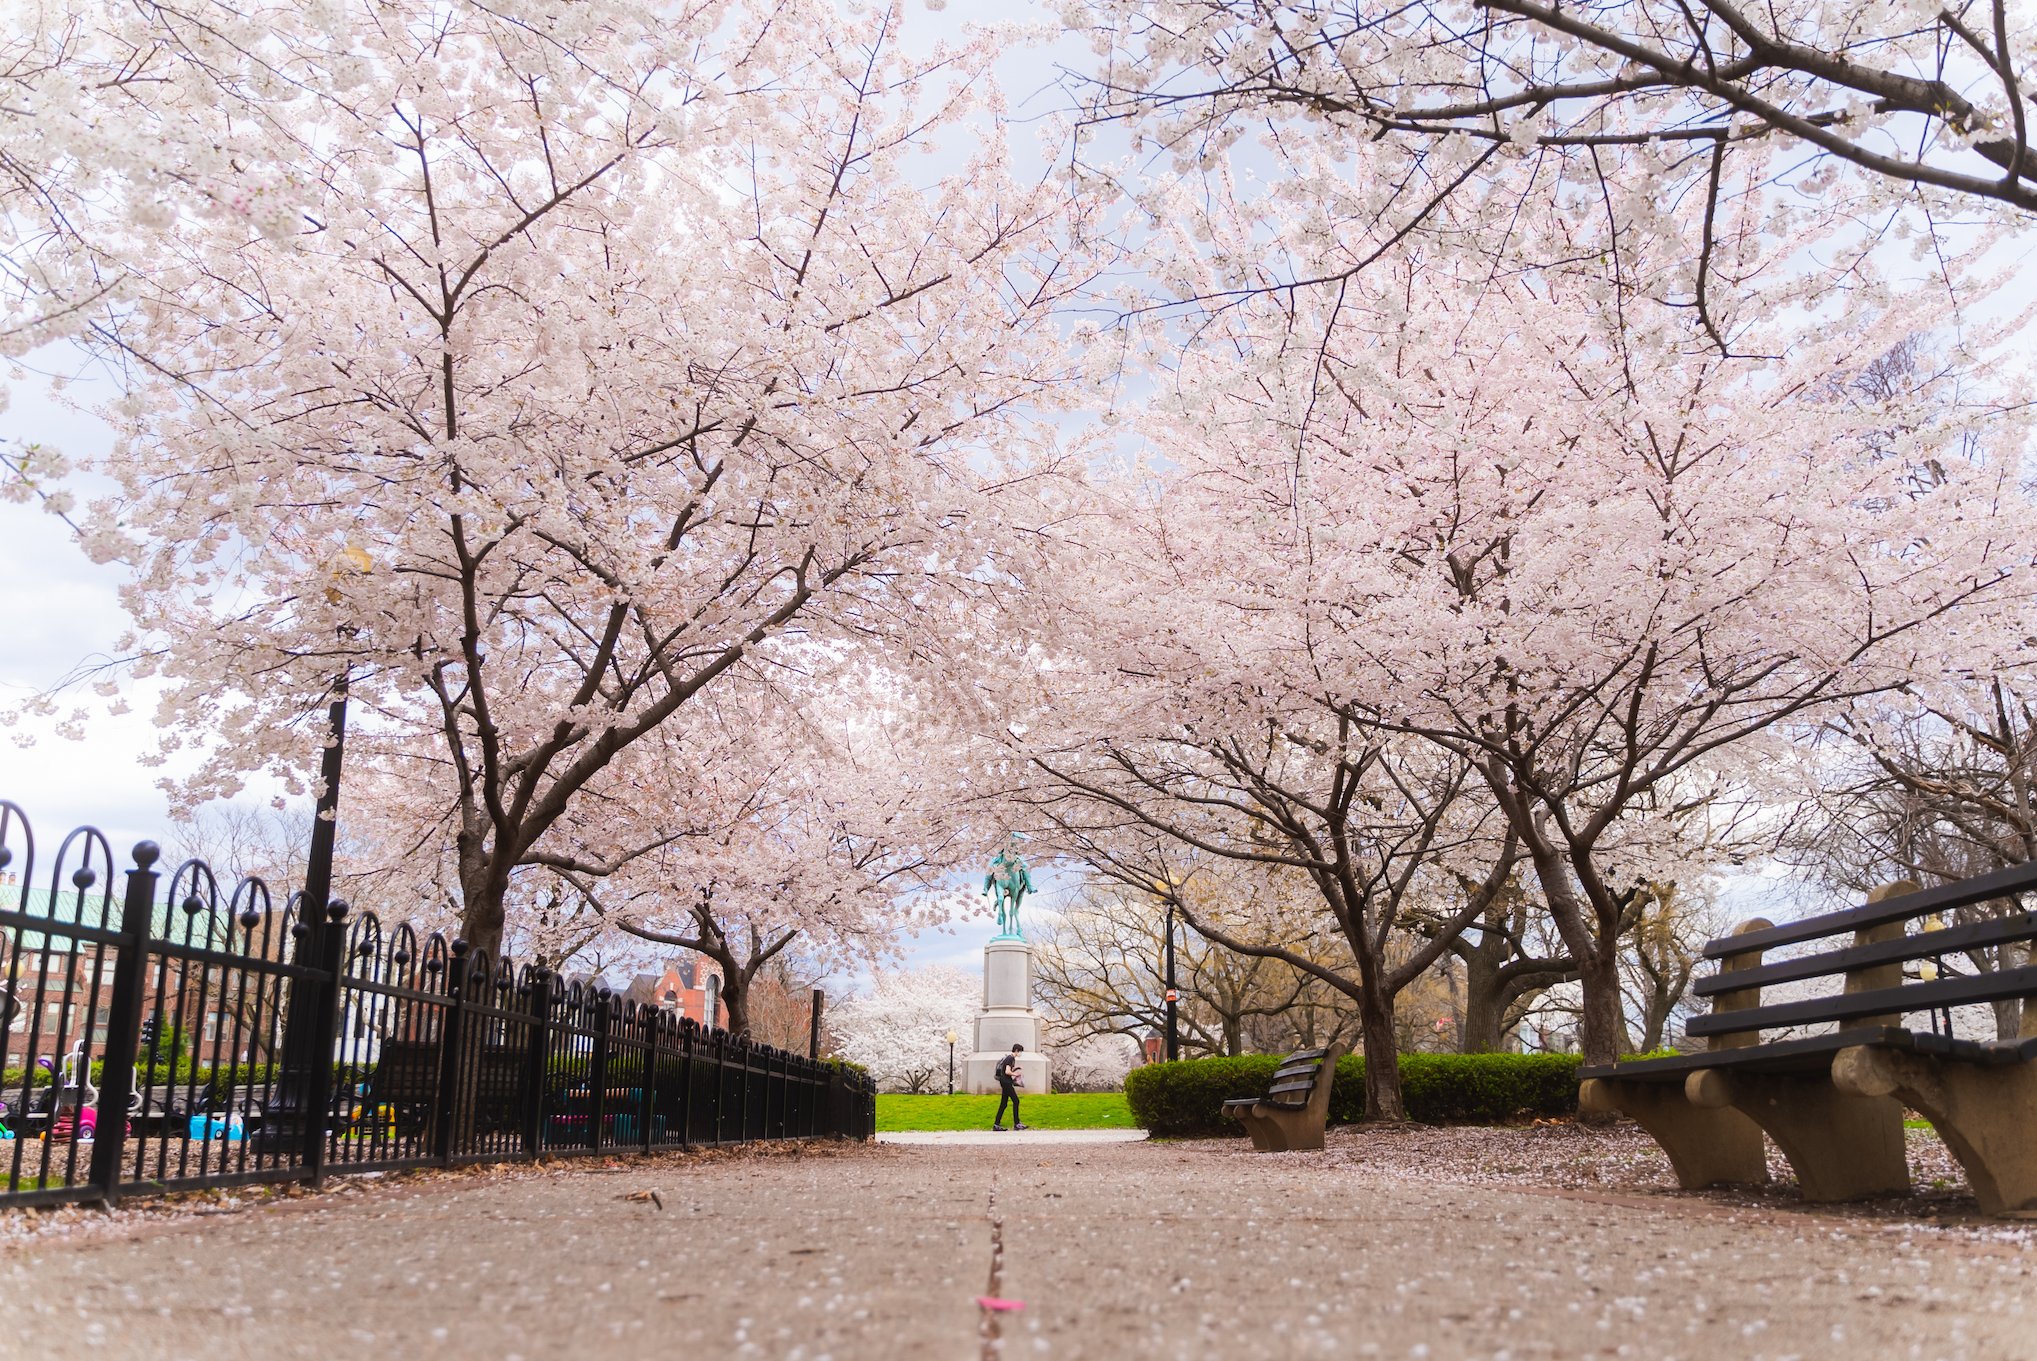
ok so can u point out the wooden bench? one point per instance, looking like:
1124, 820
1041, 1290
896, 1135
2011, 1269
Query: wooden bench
1290, 1117
405, 1083
1833, 1101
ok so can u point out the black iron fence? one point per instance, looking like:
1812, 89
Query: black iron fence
166, 1033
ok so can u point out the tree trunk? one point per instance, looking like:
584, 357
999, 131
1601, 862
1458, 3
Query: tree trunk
1234, 1036
1602, 1033
481, 892
1485, 992
1660, 1004
1484, 1011
1382, 1059
735, 999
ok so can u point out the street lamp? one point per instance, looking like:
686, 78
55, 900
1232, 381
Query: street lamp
1165, 889
1173, 994
298, 1104
951, 1062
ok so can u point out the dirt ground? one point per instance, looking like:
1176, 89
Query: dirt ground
1541, 1242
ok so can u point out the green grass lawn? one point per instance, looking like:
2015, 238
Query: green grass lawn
1046, 1110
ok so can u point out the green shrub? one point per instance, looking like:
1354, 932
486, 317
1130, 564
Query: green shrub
1187, 1098
1485, 1089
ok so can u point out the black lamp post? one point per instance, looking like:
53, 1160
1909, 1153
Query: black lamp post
294, 1111
1173, 995
951, 1063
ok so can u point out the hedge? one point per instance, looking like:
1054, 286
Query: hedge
1187, 1098
217, 1077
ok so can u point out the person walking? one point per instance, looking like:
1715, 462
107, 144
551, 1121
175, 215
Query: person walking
1010, 1077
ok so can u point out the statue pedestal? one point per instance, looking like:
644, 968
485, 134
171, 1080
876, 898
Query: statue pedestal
1007, 1018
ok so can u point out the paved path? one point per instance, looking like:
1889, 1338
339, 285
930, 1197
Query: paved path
1015, 1136
1118, 1251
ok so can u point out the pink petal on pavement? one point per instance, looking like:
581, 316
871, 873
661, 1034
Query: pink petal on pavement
1001, 1306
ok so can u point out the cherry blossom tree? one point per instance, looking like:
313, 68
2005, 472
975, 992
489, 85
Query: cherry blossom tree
1926, 96
119, 116
623, 357
1100, 965
1545, 526
898, 1028
1644, 107
1260, 773
764, 824
113, 118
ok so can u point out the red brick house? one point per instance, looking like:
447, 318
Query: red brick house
688, 985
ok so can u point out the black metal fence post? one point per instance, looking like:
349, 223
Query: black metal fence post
743, 1047
318, 1088
123, 1025
597, 1072
452, 1029
721, 1080
782, 1126
652, 1028
536, 1063
685, 1082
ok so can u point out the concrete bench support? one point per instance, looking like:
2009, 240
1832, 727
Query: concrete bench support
1842, 1146
1707, 1147
1987, 1116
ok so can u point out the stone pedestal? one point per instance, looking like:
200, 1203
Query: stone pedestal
1007, 1018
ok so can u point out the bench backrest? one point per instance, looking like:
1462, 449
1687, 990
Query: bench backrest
1871, 944
405, 1071
1294, 1081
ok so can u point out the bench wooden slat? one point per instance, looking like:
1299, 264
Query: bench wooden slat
1812, 1054
2003, 931
1943, 898
1943, 992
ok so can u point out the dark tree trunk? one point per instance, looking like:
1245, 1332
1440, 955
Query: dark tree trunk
1656, 1019
1484, 1012
1602, 1033
481, 922
1382, 1059
1486, 995
735, 1000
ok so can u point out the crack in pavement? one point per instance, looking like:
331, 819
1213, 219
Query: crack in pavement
990, 1325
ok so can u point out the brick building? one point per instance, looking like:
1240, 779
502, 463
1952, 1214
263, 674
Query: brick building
689, 985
